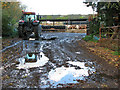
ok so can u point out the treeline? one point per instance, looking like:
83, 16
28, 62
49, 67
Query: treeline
108, 15
11, 13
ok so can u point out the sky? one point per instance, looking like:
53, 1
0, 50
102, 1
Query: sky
57, 7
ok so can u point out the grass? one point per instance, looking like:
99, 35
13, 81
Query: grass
116, 53
92, 40
106, 48
106, 44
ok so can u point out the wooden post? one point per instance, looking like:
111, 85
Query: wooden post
46, 22
53, 23
100, 33
67, 25
70, 22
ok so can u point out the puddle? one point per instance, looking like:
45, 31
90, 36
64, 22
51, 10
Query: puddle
77, 52
80, 64
41, 61
31, 38
65, 75
32, 47
49, 38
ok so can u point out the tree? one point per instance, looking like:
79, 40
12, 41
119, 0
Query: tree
109, 10
108, 13
11, 13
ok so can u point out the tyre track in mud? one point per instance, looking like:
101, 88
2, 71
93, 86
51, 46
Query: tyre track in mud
10, 46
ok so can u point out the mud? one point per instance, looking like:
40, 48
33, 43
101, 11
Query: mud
61, 62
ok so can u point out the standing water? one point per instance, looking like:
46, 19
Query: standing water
41, 61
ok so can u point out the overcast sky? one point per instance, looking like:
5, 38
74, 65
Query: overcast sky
57, 7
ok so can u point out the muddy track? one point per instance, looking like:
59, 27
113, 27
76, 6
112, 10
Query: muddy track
64, 63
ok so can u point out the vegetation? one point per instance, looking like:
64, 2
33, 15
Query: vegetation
108, 15
11, 13
116, 53
88, 38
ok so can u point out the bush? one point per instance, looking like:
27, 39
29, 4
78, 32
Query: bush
14, 34
11, 13
94, 26
7, 26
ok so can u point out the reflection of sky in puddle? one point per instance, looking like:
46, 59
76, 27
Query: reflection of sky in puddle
80, 64
77, 52
31, 38
65, 75
40, 62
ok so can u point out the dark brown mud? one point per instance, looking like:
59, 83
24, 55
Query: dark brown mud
62, 62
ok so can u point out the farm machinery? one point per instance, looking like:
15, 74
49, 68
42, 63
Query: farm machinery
29, 25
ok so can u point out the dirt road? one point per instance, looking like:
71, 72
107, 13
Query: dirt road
61, 62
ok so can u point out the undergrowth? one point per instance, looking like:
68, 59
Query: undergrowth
107, 44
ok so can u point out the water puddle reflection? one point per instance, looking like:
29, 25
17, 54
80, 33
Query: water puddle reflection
41, 61
31, 38
65, 75
77, 52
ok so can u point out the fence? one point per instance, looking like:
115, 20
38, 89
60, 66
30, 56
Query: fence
112, 32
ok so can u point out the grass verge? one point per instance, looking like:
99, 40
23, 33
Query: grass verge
106, 49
